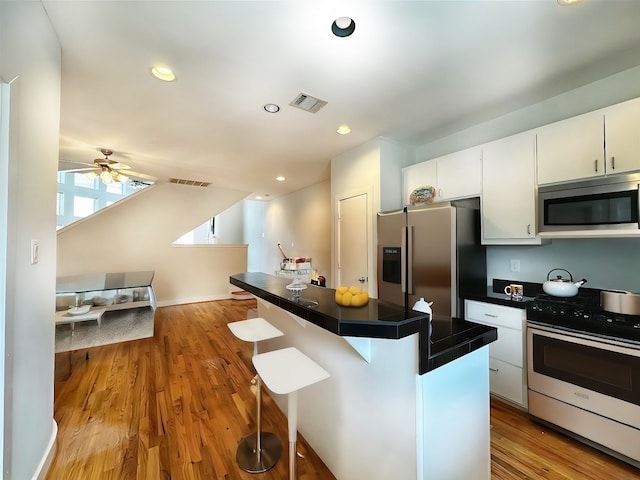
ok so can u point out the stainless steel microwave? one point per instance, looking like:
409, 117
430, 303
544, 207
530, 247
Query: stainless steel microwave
606, 203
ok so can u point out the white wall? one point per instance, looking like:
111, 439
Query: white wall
30, 61
137, 234
608, 91
606, 263
301, 222
230, 225
254, 215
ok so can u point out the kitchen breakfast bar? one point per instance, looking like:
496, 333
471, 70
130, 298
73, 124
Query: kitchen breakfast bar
408, 397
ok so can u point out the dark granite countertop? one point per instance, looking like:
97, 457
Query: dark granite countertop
500, 299
441, 340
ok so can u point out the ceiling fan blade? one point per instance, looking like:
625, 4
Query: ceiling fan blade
65, 166
112, 164
82, 170
119, 166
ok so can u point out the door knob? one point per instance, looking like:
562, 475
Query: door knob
362, 279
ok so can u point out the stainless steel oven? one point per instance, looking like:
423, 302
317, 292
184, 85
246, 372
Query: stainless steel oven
588, 385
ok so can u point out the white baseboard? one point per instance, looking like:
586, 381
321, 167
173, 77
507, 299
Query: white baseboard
46, 460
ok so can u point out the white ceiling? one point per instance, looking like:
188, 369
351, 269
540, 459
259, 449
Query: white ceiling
412, 71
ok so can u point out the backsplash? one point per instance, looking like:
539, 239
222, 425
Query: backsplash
612, 263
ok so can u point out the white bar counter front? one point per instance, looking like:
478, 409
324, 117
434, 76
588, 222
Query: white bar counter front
408, 398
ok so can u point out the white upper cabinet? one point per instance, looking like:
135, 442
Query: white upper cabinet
622, 137
459, 174
454, 176
509, 191
418, 175
571, 149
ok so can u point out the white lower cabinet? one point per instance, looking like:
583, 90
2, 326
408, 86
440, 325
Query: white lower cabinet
507, 369
506, 381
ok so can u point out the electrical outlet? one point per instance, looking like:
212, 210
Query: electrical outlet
515, 265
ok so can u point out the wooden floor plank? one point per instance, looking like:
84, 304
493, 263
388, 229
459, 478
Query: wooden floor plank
175, 406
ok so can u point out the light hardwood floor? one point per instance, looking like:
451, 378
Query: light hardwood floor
175, 406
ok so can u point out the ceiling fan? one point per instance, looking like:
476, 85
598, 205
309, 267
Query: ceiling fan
109, 170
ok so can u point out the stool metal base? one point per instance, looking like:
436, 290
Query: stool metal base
249, 460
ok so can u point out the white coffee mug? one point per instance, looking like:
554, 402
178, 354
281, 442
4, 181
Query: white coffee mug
514, 290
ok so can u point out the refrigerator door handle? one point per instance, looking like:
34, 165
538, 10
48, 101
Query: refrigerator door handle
409, 255
403, 261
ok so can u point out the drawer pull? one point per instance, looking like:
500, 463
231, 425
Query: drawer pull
494, 369
490, 315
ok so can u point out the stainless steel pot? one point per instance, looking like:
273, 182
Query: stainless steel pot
620, 301
562, 287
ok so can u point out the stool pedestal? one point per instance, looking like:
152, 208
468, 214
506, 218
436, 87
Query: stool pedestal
285, 372
258, 451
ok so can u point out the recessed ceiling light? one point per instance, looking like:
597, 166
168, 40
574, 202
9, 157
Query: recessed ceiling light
343, 129
343, 26
271, 108
163, 73
566, 3
280, 178
258, 197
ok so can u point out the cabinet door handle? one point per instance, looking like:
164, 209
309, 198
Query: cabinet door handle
528, 229
490, 315
440, 192
596, 165
613, 163
494, 369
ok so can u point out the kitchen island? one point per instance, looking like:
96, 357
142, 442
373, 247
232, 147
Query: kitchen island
407, 398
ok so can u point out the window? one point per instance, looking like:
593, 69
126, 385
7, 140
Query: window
115, 187
80, 196
60, 203
82, 180
83, 206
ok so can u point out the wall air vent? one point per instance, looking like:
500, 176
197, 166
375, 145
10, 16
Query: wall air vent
307, 103
193, 183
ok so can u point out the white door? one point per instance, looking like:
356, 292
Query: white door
354, 238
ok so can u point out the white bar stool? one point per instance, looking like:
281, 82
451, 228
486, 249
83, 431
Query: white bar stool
259, 451
286, 371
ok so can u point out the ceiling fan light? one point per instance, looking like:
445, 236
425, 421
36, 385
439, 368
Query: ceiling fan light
106, 177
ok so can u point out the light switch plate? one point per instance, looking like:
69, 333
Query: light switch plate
35, 247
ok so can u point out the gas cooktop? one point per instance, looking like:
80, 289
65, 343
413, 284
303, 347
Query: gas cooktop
583, 314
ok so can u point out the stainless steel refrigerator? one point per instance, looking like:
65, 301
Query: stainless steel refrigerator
432, 252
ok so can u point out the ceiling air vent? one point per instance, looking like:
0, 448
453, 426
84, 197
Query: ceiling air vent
193, 183
307, 103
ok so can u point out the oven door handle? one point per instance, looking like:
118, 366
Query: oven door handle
584, 339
